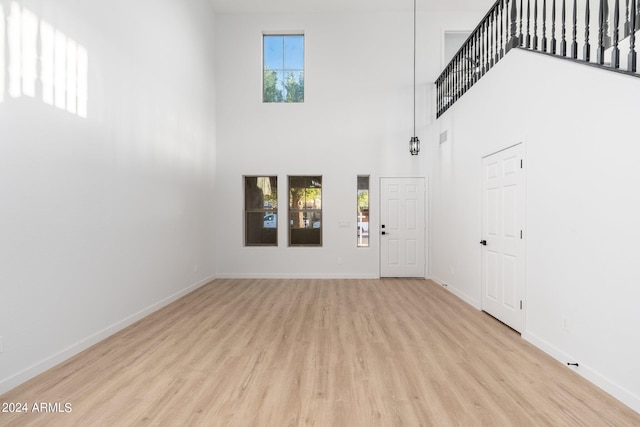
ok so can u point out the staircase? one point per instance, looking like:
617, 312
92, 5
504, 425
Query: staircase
600, 33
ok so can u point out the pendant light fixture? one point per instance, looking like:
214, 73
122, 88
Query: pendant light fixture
414, 143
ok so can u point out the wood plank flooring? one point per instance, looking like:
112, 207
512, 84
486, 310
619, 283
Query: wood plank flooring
317, 353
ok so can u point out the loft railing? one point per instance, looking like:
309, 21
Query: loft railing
534, 26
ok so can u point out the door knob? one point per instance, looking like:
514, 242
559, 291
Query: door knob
384, 233
483, 242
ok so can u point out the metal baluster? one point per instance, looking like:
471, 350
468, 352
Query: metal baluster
472, 59
544, 25
501, 18
587, 46
477, 68
535, 25
481, 50
490, 41
563, 42
632, 62
626, 19
600, 48
485, 42
521, 37
528, 38
615, 53
553, 28
438, 96
493, 28
460, 73
453, 83
515, 40
445, 82
507, 25
463, 69
450, 84
574, 44
442, 92
495, 24
606, 40
469, 63
454, 80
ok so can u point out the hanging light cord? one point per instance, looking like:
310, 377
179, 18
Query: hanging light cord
414, 67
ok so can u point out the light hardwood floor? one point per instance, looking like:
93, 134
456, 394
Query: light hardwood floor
317, 352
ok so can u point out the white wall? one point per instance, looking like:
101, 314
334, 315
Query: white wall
356, 119
106, 218
582, 207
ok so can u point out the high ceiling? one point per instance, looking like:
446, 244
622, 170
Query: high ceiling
317, 6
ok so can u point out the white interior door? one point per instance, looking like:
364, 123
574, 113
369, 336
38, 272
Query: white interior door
503, 249
403, 224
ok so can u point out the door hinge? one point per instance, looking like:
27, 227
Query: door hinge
521, 163
520, 304
520, 234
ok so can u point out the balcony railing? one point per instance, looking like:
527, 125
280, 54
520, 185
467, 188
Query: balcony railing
607, 39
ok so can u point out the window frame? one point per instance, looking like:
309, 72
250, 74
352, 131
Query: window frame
264, 210
303, 70
359, 232
315, 212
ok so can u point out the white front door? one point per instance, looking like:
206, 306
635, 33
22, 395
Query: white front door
402, 227
503, 249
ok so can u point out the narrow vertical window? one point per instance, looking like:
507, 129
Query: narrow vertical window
261, 211
363, 211
283, 68
305, 211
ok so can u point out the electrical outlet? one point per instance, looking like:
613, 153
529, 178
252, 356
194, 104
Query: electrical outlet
565, 324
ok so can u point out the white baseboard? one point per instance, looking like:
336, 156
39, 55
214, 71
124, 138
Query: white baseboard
585, 371
48, 363
463, 296
295, 276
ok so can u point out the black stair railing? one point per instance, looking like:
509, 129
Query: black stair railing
507, 25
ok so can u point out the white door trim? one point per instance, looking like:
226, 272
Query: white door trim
503, 255
403, 247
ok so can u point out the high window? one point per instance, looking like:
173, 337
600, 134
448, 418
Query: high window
283, 68
305, 211
261, 210
363, 211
